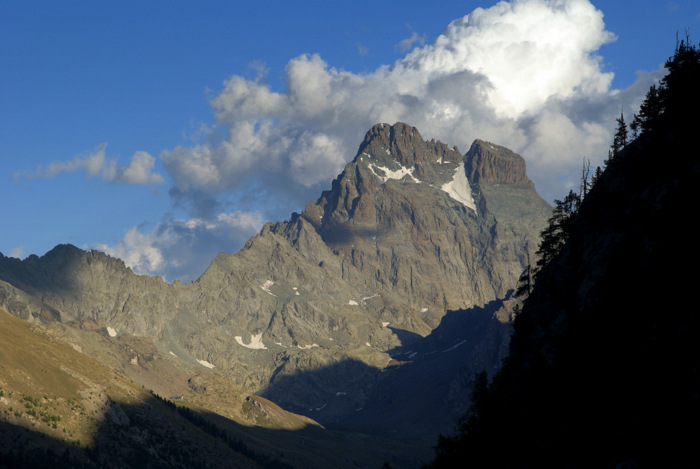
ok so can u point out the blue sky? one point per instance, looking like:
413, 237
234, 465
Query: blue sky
163, 132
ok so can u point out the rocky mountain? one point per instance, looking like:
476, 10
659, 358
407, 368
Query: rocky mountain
326, 312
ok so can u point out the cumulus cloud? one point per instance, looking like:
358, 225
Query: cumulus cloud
505, 73
406, 44
525, 74
181, 249
138, 171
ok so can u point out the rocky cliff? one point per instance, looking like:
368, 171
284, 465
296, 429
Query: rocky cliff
313, 309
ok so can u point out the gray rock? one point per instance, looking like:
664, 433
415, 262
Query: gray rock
311, 308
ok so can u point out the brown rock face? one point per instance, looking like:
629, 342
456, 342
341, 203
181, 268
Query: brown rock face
406, 145
493, 164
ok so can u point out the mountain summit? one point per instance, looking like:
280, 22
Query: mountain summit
313, 310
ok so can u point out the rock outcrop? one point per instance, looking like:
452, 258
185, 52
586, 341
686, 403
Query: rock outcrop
494, 164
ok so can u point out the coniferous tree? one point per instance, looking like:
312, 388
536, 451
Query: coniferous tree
679, 86
676, 91
596, 175
555, 234
619, 138
649, 112
524, 283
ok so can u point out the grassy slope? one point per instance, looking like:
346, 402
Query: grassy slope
74, 393
56, 399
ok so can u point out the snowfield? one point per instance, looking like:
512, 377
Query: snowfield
458, 188
256, 342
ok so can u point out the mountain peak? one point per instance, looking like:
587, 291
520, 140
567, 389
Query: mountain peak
406, 145
488, 163
314, 308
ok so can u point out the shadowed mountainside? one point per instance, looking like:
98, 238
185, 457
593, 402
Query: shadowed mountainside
603, 364
62, 408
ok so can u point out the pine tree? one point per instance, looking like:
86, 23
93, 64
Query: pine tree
596, 175
678, 91
557, 231
524, 283
620, 137
649, 112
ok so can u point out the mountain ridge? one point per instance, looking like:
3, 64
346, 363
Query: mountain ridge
312, 310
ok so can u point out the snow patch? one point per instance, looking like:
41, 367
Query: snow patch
353, 303
458, 188
389, 174
266, 287
111, 331
423, 310
385, 324
171, 353
307, 347
205, 363
256, 342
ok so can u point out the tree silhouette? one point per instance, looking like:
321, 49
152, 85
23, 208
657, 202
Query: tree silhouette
557, 231
602, 370
619, 138
675, 91
649, 112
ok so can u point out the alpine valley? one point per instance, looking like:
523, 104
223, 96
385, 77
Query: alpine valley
346, 336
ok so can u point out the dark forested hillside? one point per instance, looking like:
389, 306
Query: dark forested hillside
603, 360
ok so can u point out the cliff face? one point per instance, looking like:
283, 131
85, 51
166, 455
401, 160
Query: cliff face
409, 230
70, 284
494, 164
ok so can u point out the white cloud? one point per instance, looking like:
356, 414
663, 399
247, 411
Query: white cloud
17, 252
525, 74
406, 44
505, 74
182, 249
530, 51
138, 171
